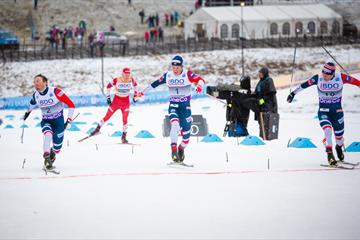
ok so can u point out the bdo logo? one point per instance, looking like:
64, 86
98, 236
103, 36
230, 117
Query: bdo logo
175, 81
330, 85
46, 101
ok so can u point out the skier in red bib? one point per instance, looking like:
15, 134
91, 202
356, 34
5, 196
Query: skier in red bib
121, 100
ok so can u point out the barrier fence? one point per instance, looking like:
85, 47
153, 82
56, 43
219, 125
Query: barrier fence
169, 45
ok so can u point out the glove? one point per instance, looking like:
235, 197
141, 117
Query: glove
198, 88
261, 101
108, 100
290, 97
26, 115
137, 96
67, 122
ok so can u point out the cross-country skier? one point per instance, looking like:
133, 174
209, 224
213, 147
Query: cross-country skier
121, 100
331, 116
179, 81
50, 100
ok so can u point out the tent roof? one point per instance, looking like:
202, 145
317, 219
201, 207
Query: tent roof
222, 13
322, 11
297, 12
268, 13
273, 13
250, 13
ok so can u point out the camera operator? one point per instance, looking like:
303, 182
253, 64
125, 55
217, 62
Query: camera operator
237, 114
240, 101
265, 91
264, 103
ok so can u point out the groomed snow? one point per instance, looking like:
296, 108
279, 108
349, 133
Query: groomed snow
112, 191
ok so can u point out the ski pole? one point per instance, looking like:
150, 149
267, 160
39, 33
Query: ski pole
22, 132
73, 119
335, 60
76, 116
293, 68
212, 97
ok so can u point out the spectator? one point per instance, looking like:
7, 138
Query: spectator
142, 15
197, 5
91, 39
167, 19
63, 40
152, 21
147, 36
152, 34
171, 19
161, 34
79, 40
82, 24
70, 33
156, 34
54, 39
176, 18
129, 2
157, 19
35, 4
149, 22
265, 95
101, 42
112, 28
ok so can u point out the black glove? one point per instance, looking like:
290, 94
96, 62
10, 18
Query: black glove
108, 100
26, 115
67, 122
290, 97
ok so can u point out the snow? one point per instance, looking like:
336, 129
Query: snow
83, 77
111, 191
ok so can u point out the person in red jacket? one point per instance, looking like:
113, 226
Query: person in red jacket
121, 100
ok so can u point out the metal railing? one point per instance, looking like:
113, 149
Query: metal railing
170, 45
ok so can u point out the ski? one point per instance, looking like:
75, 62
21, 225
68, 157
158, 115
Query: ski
88, 136
131, 144
52, 170
179, 164
349, 163
338, 166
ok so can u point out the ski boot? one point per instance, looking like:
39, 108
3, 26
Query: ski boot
330, 156
339, 153
123, 138
52, 156
175, 156
47, 161
96, 130
181, 154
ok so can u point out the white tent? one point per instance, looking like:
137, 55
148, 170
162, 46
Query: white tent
263, 22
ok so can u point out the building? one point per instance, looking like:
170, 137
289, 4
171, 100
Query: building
259, 22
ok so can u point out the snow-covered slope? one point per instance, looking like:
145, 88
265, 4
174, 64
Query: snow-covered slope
112, 191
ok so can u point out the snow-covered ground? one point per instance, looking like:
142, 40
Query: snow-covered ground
81, 77
112, 191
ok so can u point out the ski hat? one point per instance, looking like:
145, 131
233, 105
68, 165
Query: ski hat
329, 68
126, 70
245, 82
264, 71
177, 61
